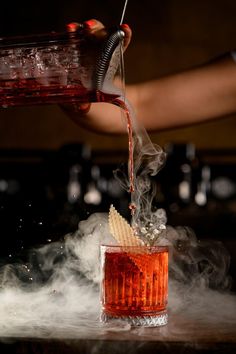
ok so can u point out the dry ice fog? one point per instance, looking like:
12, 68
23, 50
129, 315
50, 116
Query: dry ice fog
56, 294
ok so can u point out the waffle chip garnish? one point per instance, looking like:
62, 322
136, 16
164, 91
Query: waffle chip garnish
124, 235
121, 230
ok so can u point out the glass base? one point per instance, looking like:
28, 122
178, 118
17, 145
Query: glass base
160, 319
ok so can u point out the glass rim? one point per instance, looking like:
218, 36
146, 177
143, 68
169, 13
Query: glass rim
135, 247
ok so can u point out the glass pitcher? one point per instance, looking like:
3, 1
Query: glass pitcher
58, 67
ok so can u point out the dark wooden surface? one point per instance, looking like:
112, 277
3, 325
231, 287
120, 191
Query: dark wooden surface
179, 336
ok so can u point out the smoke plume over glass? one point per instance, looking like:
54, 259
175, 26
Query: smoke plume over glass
56, 294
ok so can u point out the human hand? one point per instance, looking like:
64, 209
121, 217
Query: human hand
97, 29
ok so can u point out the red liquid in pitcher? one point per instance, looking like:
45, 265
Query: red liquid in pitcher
31, 92
135, 284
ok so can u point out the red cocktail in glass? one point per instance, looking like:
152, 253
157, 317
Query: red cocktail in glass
135, 284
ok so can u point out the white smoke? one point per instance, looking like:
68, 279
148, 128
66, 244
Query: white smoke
148, 160
56, 295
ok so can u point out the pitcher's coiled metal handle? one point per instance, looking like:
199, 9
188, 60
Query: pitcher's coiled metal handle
105, 57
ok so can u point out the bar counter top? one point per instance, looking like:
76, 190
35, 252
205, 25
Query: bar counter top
181, 335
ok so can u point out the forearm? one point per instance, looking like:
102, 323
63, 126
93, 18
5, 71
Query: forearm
194, 96
205, 93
